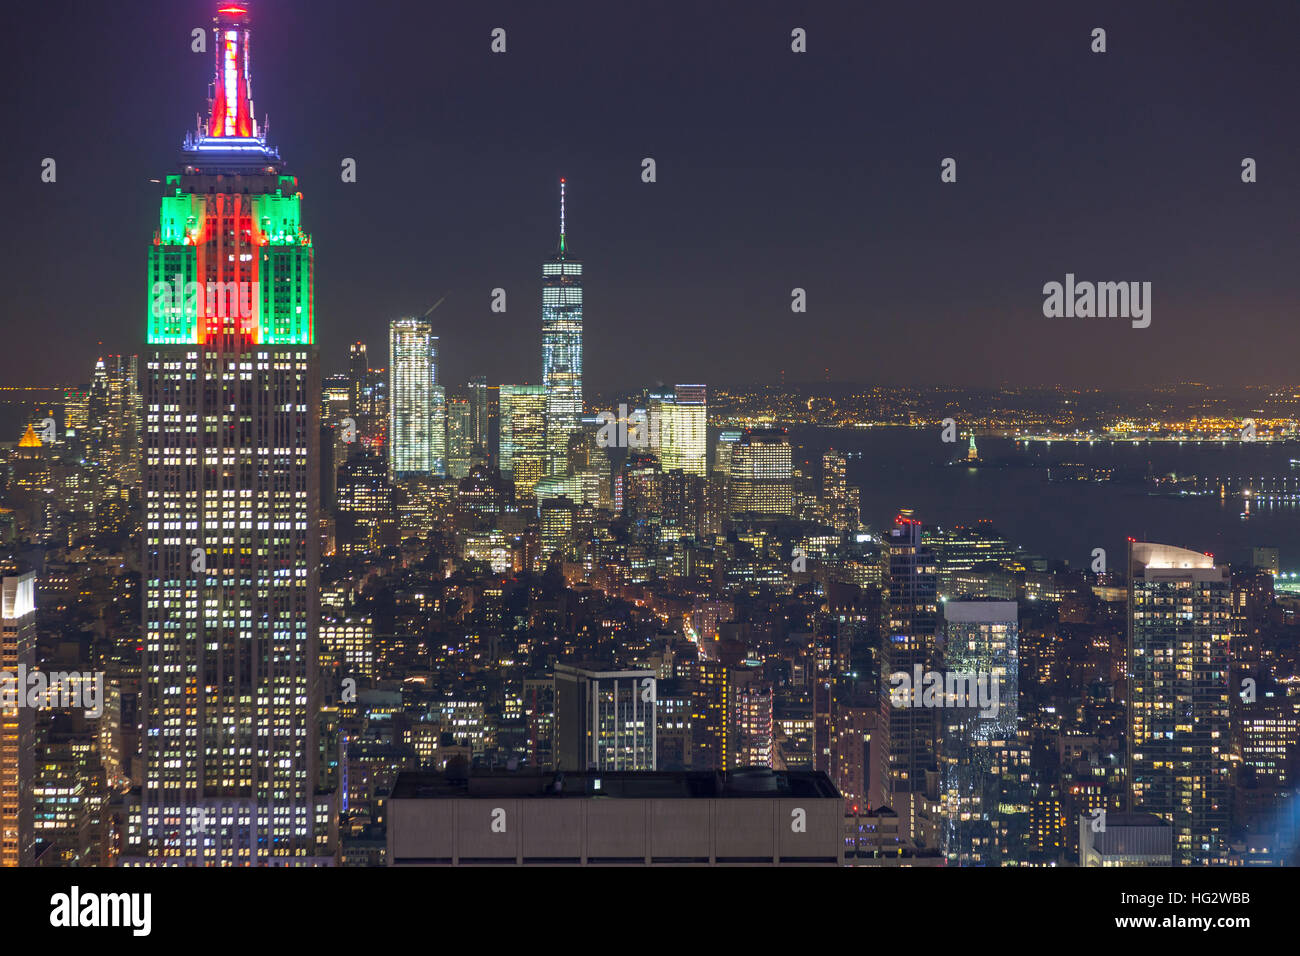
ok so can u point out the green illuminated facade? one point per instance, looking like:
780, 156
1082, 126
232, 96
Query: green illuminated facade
214, 246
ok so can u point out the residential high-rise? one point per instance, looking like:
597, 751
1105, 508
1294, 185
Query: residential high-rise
1179, 730
683, 429
852, 736
981, 645
907, 734
561, 349
840, 501
230, 700
713, 730
417, 432
17, 723
753, 708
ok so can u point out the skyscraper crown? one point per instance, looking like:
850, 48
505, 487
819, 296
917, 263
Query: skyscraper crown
231, 101
231, 129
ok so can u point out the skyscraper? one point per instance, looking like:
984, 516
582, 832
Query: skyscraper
417, 419
762, 477
113, 411
523, 435
460, 436
907, 734
980, 642
359, 378
839, 502
561, 349
17, 723
683, 429
365, 504
231, 563
1179, 732
478, 403
753, 699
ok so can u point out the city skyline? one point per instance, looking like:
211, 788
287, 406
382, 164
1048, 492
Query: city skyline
883, 256
324, 566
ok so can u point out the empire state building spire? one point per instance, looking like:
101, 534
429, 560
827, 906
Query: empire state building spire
232, 97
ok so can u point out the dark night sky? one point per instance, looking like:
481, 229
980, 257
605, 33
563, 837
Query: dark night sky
775, 170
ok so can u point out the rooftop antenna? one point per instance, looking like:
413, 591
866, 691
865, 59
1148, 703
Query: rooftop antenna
434, 306
561, 215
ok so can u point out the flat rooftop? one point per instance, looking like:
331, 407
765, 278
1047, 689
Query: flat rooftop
633, 785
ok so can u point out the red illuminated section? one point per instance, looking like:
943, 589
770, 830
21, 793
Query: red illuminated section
229, 302
232, 98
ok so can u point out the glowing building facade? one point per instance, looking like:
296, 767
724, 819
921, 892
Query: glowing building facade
907, 735
1179, 728
982, 643
762, 475
561, 350
17, 723
683, 429
231, 400
417, 415
522, 452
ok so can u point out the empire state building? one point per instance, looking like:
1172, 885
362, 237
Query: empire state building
231, 557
